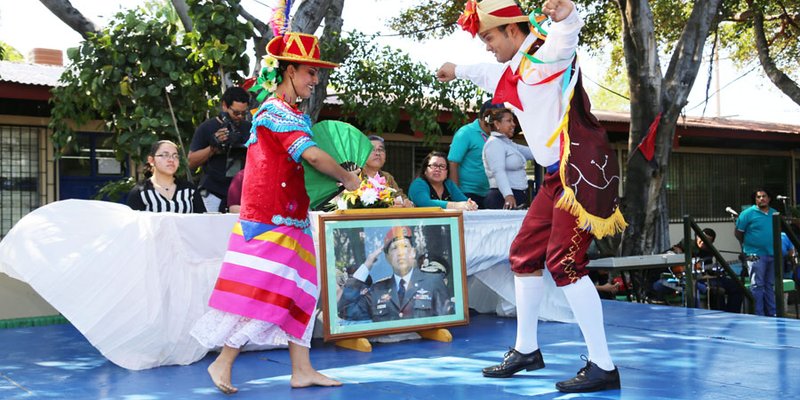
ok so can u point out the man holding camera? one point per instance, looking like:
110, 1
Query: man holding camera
218, 147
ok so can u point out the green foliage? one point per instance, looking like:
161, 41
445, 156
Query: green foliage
616, 80
781, 26
122, 75
9, 53
115, 190
377, 85
430, 19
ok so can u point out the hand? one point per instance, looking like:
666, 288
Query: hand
352, 182
372, 257
221, 135
557, 10
511, 202
447, 72
469, 205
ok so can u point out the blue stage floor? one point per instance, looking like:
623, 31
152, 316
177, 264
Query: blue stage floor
662, 353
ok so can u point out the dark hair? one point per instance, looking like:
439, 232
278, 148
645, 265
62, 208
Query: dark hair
147, 171
710, 233
427, 159
524, 27
235, 94
495, 115
755, 192
283, 66
375, 137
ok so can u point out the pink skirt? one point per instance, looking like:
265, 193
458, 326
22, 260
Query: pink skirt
266, 291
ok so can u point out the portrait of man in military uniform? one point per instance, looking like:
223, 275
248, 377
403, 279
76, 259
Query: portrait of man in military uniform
410, 291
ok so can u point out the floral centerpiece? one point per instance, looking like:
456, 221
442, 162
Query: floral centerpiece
373, 193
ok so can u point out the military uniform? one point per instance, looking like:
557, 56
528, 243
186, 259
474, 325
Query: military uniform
426, 296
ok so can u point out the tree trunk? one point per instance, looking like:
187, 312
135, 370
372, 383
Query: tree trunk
64, 10
310, 14
644, 74
330, 36
182, 9
645, 205
778, 78
260, 40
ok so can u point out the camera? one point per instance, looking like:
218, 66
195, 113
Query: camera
227, 123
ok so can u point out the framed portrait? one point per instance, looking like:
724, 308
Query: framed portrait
391, 271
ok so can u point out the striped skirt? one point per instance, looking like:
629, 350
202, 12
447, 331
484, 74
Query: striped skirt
266, 292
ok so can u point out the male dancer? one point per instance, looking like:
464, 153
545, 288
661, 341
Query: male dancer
540, 81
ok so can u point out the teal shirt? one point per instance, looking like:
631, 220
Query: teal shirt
420, 193
757, 228
467, 151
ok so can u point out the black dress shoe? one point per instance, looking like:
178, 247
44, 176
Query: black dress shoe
590, 378
513, 362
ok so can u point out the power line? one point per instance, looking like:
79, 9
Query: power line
604, 87
723, 87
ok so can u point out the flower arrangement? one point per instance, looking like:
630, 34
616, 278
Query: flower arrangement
373, 193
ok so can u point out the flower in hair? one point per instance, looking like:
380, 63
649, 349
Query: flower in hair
469, 20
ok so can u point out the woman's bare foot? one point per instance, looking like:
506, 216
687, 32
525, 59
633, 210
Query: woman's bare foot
311, 378
220, 373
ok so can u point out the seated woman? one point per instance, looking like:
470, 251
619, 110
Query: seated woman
432, 188
161, 191
504, 162
373, 166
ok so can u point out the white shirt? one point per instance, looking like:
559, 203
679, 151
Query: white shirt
543, 105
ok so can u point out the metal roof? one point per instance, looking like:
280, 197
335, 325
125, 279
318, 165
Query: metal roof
709, 122
30, 74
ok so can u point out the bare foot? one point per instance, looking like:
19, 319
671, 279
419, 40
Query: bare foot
312, 378
221, 376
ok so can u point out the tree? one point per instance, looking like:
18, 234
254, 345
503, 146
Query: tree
379, 85
783, 26
9, 53
64, 10
146, 78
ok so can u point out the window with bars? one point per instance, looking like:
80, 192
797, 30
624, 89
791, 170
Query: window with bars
703, 185
20, 187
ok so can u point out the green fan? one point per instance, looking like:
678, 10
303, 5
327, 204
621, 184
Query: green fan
347, 145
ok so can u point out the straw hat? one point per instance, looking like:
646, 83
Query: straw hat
479, 17
298, 47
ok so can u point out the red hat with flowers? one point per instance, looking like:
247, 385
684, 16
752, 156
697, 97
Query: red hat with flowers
479, 17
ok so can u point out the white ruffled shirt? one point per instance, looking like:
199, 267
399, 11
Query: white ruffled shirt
543, 105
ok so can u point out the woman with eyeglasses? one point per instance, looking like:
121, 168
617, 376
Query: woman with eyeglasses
504, 162
432, 187
161, 191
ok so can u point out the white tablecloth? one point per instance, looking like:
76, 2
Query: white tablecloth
134, 282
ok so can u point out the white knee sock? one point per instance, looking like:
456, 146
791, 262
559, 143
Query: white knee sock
528, 293
585, 303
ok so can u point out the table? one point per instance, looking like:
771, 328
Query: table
637, 263
135, 282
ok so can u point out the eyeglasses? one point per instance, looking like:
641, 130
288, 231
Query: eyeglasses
378, 150
440, 167
239, 113
175, 157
